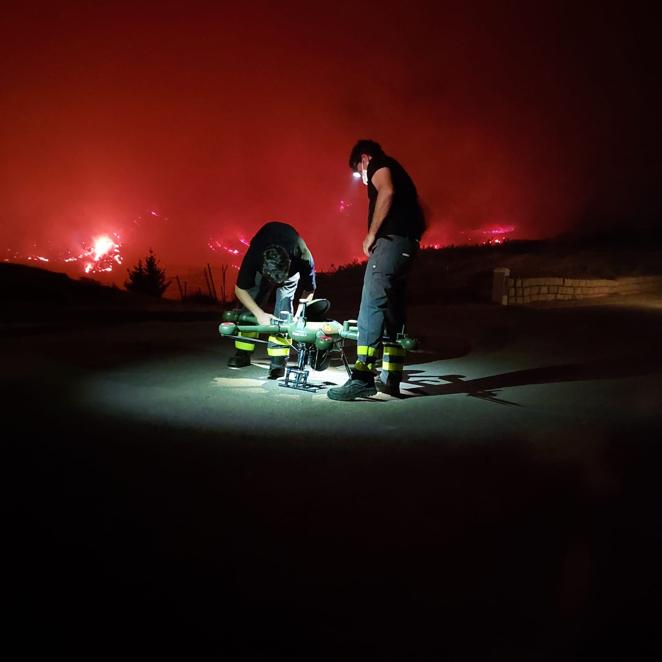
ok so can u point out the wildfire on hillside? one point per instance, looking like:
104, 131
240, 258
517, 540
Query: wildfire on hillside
97, 255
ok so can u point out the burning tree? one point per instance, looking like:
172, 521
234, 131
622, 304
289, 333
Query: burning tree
147, 278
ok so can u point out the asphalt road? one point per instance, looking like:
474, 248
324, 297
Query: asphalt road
507, 507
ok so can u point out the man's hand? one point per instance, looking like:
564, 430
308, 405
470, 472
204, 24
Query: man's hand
263, 319
306, 296
249, 303
368, 243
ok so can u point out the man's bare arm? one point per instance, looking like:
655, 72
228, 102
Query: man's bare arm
305, 296
248, 302
382, 181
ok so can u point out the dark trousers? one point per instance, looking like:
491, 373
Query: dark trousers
382, 314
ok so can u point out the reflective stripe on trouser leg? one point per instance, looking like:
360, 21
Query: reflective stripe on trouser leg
365, 358
279, 346
393, 363
243, 345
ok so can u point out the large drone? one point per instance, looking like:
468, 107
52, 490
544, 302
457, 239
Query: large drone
314, 340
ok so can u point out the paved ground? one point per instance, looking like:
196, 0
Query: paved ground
506, 508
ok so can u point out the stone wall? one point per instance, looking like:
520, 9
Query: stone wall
507, 290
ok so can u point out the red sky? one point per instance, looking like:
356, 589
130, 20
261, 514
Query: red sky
221, 116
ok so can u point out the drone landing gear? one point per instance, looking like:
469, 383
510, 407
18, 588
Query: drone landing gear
297, 377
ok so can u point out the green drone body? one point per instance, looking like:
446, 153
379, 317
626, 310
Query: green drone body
314, 341
323, 335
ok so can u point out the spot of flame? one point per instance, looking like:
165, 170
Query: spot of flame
102, 246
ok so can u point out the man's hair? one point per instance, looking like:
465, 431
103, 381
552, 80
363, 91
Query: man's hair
364, 146
275, 264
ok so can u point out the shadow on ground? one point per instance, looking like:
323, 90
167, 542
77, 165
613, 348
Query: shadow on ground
487, 387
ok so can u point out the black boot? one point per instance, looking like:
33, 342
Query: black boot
277, 367
353, 388
241, 359
391, 387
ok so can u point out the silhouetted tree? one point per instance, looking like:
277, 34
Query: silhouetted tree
147, 278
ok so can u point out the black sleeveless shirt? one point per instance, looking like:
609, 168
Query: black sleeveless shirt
405, 217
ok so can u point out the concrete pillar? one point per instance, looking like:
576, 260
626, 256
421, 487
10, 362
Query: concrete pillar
500, 286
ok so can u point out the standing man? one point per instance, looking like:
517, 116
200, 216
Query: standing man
276, 258
395, 225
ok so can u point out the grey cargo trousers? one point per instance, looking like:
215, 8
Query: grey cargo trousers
382, 314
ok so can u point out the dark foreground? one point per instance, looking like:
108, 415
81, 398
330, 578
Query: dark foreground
507, 509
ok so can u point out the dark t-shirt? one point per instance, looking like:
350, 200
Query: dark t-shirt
283, 235
405, 217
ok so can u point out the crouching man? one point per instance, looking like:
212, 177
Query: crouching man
276, 258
